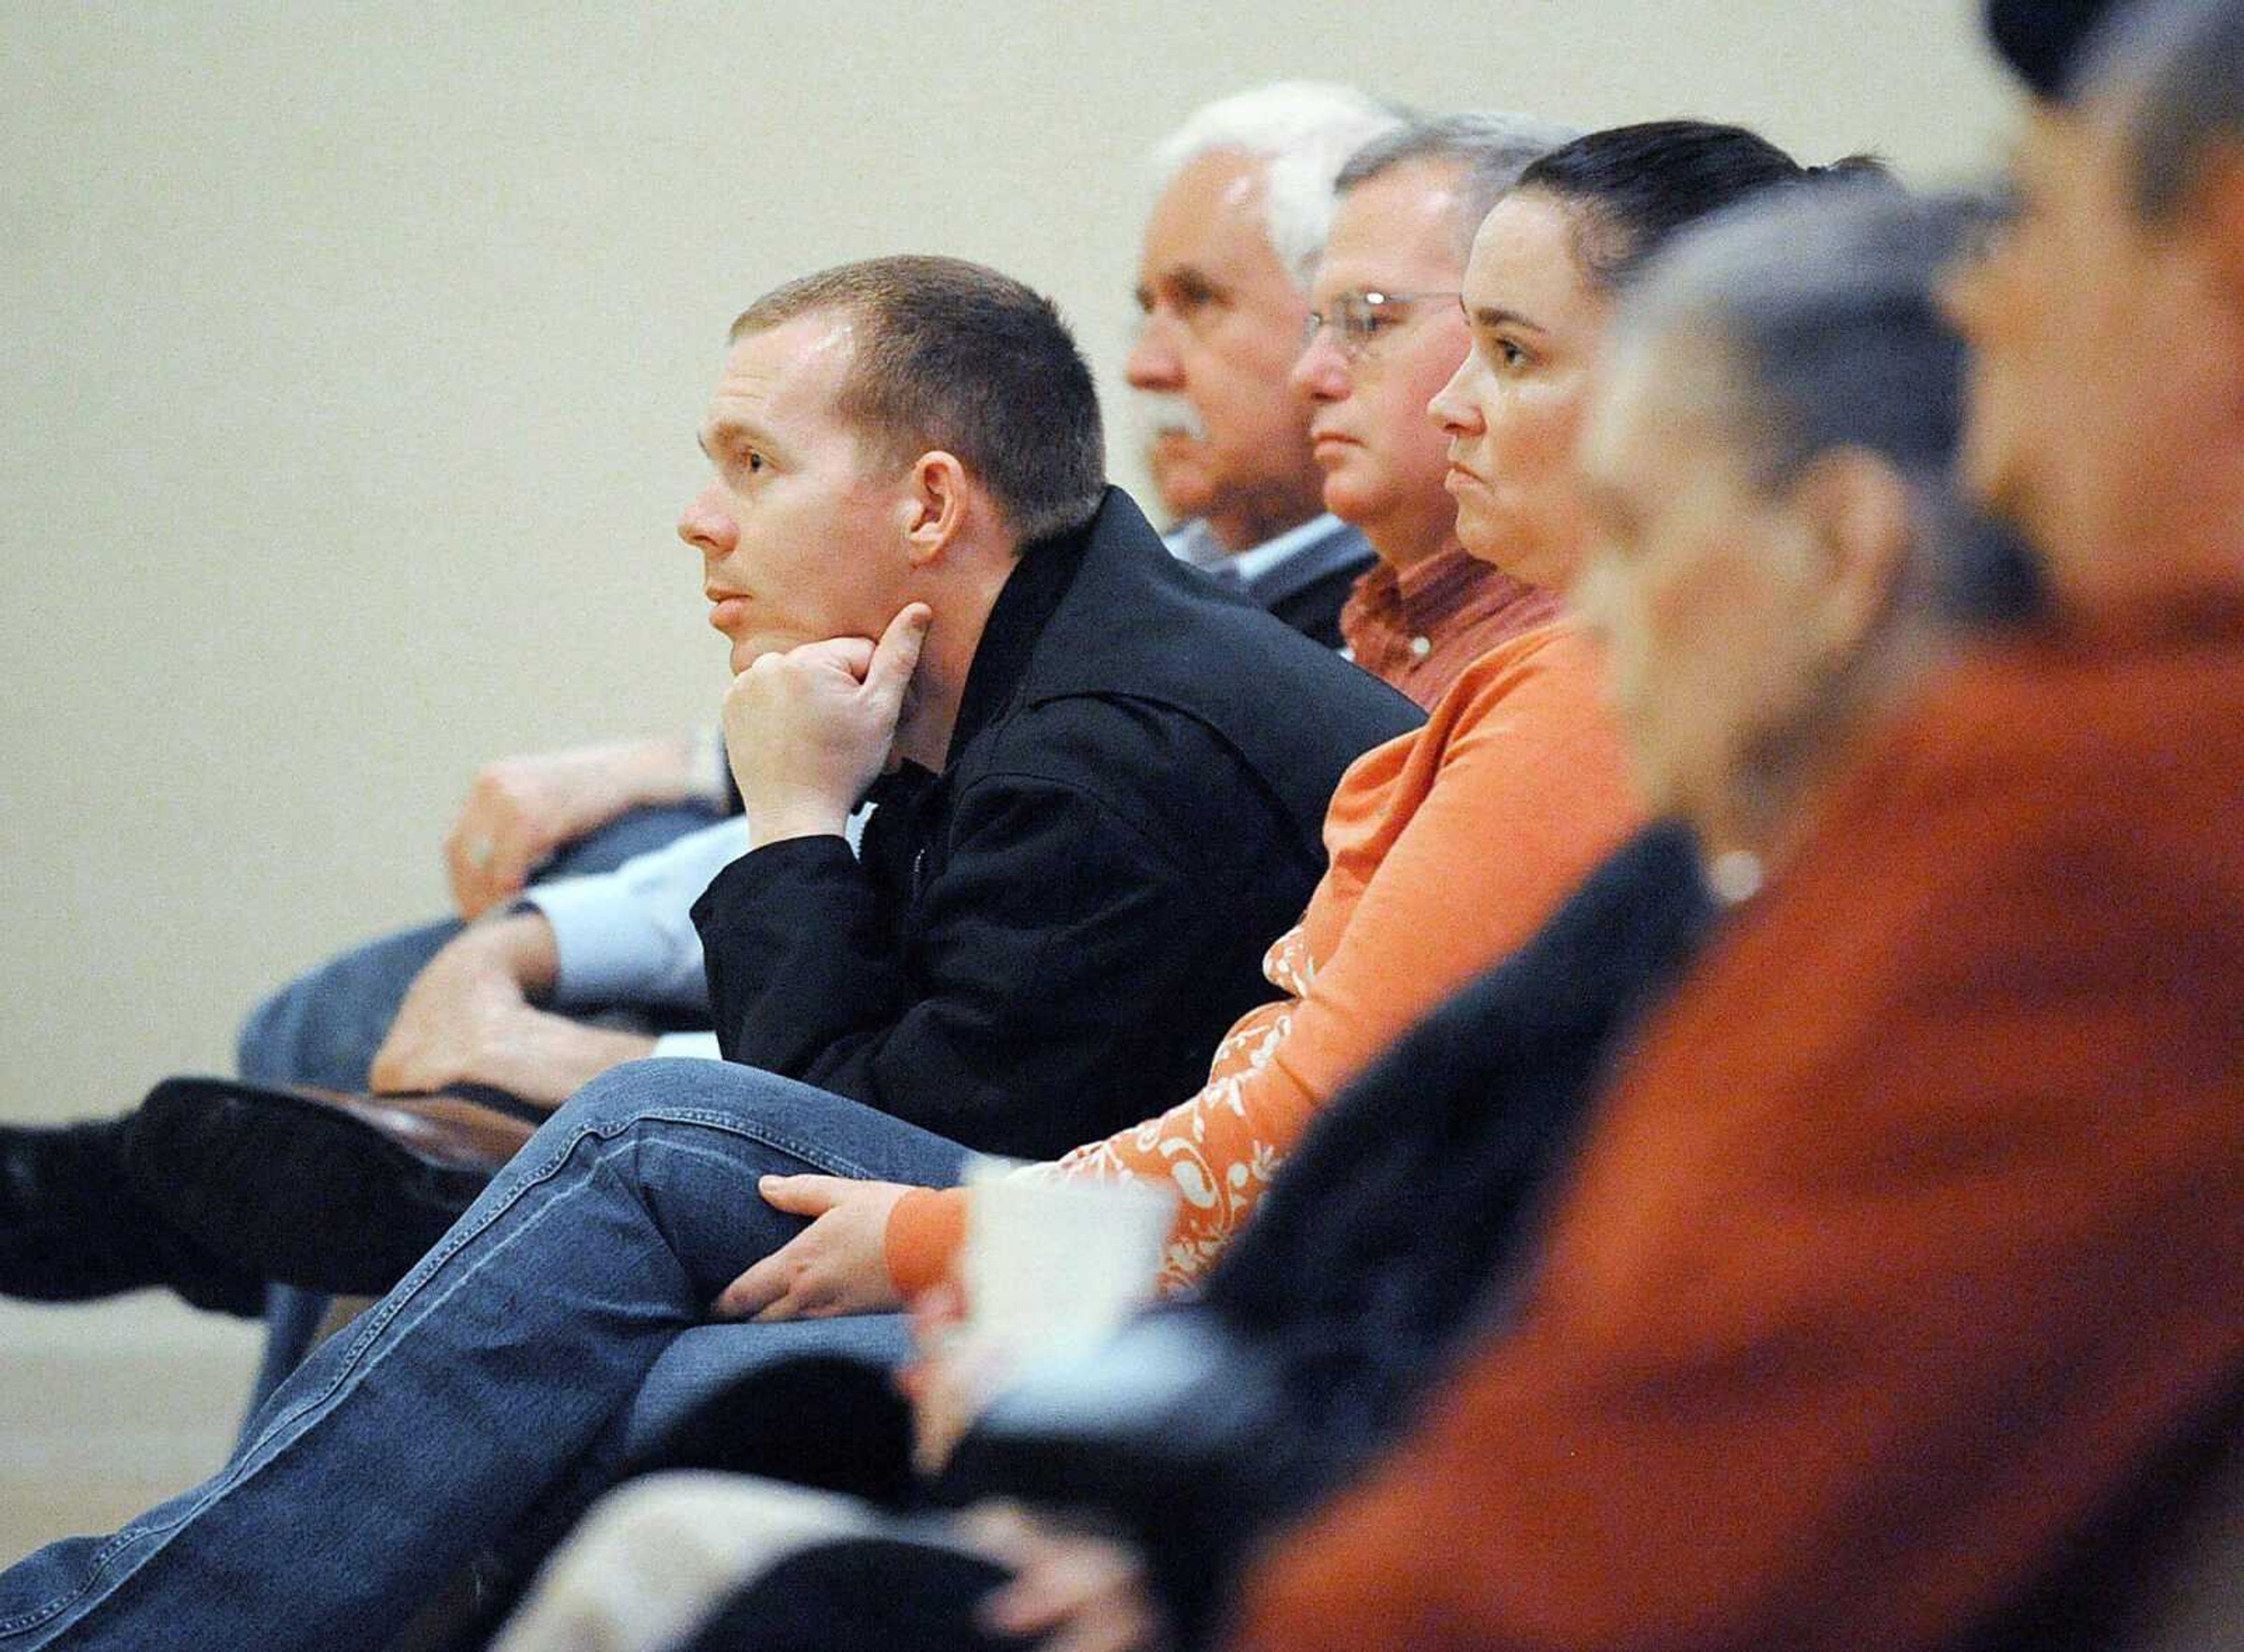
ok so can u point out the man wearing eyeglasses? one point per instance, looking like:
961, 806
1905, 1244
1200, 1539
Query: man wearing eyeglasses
1384, 334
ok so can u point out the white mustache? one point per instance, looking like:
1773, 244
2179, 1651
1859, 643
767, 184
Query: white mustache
1160, 412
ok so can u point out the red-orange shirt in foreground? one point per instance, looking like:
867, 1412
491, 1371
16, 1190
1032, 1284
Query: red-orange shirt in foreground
1914, 1228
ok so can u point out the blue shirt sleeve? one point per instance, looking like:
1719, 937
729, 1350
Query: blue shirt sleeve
627, 937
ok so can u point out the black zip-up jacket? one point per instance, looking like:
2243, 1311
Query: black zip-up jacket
1044, 943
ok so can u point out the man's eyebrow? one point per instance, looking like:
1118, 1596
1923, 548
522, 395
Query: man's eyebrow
1494, 316
725, 432
1188, 280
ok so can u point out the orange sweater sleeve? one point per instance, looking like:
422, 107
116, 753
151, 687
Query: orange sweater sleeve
1528, 794
1918, 1224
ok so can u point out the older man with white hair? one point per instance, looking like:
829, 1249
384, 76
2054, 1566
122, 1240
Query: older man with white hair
1231, 244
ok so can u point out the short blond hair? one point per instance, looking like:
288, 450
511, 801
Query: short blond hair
955, 356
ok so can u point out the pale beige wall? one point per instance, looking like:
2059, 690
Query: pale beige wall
353, 355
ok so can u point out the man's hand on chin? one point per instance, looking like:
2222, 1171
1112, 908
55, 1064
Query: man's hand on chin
808, 730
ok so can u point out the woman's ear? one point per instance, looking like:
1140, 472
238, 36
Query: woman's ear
934, 507
1862, 526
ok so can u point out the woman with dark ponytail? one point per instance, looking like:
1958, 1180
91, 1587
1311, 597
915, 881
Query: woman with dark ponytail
1632, 188
1550, 263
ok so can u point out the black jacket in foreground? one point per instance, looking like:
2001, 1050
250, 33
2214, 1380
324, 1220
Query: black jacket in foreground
1044, 943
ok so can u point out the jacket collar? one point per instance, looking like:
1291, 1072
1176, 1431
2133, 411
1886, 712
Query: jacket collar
1075, 617
1106, 610
1026, 603
1041, 578
1334, 547
1044, 637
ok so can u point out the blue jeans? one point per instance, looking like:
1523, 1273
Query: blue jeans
471, 1394
323, 1028
710, 1358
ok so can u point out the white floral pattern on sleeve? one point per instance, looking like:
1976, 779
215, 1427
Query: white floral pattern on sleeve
1212, 1150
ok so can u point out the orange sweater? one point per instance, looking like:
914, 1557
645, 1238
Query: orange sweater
1915, 1228
1448, 846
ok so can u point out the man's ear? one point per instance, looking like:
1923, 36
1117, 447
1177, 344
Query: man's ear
933, 509
1862, 526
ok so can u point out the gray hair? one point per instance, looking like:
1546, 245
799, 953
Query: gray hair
1492, 149
1303, 130
1820, 307
2183, 66
1822, 302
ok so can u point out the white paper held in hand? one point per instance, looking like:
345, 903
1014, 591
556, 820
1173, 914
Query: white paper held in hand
1049, 1265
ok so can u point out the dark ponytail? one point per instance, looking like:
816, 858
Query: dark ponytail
1634, 188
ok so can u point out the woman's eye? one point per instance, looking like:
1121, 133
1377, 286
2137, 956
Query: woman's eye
1509, 354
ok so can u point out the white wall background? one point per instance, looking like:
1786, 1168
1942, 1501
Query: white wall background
353, 353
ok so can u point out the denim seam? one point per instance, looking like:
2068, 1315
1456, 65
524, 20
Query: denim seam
406, 1289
